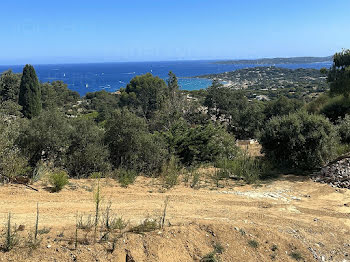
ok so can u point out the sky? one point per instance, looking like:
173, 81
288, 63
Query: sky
83, 31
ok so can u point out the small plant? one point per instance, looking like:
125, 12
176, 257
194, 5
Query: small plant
253, 243
126, 177
195, 180
98, 199
11, 238
296, 255
170, 173
85, 224
96, 175
111, 222
218, 248
274, 247
147, 225
44, 231
58, 179
162, 222
211, 257
33, 240
242, 232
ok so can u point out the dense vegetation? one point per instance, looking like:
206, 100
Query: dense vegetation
153, 128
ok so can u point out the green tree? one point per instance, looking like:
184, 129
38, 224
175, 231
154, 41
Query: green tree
47, 137
12, 162
87, 152
146, 93
299, 140
339, 74
131, 145
200, 143
9, 86
282, 106
29, 93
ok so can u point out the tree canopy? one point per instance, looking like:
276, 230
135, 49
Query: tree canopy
30, 93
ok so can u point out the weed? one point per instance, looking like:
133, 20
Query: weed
211, 257
274, 247
44, 231
218, 248
195, 180
242, 232
166, 201
33, 240
125, 177
253, 243
296, 255
170, 173
11, 238
85, 224
98, 199
96, 175
147, 225
111, 222
58, 180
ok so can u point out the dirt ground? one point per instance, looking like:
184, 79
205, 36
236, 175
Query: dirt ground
289, 219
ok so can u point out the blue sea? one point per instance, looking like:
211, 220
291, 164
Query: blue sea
92, 77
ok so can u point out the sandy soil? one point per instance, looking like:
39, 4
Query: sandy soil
286, 216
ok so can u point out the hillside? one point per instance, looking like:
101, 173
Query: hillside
271, 81
273, 61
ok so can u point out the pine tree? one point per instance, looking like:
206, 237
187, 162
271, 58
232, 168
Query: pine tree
29, 93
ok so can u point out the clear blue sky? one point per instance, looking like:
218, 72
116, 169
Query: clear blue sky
42, 31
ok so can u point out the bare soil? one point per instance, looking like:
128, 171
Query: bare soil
289, 218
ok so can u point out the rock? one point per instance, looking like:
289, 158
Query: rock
336, 174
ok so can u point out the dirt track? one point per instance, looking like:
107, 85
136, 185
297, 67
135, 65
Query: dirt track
293, 213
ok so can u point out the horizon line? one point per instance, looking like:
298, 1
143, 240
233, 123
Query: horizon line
170, 60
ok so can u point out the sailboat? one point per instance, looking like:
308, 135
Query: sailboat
86, 85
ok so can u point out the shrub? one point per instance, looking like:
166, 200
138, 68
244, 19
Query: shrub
296, 255
336, 107
195, 180
211, 257
58, 179
200, 143
243, 166
147, 225
253, 243
344, 129
299, 140
170, 173
11, 236
125, 177
131, 145
218, 248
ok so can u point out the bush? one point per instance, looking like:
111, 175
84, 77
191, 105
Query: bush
253, 243
299, 140
200, 143
131, 145
243, 166
147, 225
336, 107
344, 129
170, 173
58, 179
125, 177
